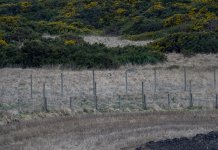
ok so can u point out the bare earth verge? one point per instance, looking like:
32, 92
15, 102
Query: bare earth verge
105, 131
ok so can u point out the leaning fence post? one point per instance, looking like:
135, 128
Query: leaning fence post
62, 85
185, 76
31, 86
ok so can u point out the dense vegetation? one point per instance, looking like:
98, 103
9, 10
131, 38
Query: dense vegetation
189, 43
186, 26
36, 53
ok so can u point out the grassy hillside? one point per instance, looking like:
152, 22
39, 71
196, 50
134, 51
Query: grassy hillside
25, 21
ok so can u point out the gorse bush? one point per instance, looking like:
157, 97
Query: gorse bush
183, 26
120, 17
189, 43
36, 53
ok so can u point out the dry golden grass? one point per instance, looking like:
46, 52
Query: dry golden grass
105, 131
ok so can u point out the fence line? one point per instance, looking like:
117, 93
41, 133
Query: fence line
144, 95
134, 102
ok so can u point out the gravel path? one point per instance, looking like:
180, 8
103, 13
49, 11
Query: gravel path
113, 41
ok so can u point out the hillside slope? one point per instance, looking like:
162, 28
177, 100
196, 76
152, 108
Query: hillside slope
186, 23
117, 17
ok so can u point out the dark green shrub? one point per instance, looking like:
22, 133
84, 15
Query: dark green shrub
189, 43
36, 53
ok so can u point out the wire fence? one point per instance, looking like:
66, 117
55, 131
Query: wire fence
110, 90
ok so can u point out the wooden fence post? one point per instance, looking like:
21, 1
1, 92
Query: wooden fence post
168, 97
19, 105
96, 102
119, 102
95, 96
190, 86
144, 102
191, 95
216, 101
185, 76
191, 101
45, 104
31, 86
155, 80
214, 78
93, 79
62, 85
43, 91
126, 78
71, 102
142, 90
2, 91
95, 88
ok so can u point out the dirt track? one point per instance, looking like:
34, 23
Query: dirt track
107, 131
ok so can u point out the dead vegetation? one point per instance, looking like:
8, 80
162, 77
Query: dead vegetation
15, 84
105, 131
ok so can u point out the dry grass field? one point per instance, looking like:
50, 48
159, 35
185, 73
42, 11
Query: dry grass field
15, 84
118, 124
105, 132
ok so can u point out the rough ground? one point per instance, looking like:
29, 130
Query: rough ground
113, 41
199, 142
15, 84
105, 131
